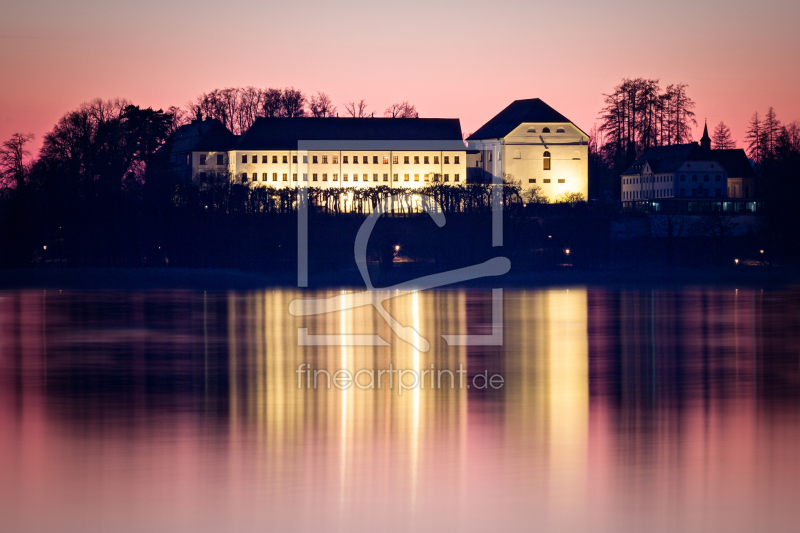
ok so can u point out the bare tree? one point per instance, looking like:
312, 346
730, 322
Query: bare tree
755, 139
722, 138
401, 110
321, 106
12, 160
272, 103
293, 103
356, 109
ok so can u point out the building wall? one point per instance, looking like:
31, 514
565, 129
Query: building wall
328, 169
520, 156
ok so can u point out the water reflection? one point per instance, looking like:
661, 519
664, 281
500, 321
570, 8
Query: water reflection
620, 411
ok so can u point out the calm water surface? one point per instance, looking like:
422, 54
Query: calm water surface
621, 411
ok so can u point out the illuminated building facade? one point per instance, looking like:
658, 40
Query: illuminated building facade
534, 144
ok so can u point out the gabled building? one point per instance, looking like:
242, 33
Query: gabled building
532, 143
689, 171
338, 152
201, 148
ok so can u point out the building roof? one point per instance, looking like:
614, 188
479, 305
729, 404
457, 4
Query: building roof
518, 112
735, 161
204, 136
284, 133
667, 159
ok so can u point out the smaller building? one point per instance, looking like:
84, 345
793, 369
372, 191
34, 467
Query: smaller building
680, 170
201, 148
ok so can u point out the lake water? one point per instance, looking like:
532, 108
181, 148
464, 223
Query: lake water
619, 411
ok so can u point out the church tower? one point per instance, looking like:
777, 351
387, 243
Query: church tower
705, 141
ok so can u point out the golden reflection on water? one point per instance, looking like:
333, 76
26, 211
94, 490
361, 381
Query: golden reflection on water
620, 411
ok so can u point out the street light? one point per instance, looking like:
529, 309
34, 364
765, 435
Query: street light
566, 251
761, 251
736, 261
397, 248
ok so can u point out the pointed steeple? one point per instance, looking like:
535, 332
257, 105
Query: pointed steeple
705, 141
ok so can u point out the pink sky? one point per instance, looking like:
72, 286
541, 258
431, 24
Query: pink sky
452, 59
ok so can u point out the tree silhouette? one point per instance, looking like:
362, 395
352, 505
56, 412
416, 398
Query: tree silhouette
12, 160
401, 110
356, 109
721, 138
321, 106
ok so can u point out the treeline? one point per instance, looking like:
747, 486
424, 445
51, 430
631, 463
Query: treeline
238, 107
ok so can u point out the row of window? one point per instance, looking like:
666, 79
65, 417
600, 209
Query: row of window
545, 130
315, 159
636, 195
220, 159
660, 179
346, 177
546, 180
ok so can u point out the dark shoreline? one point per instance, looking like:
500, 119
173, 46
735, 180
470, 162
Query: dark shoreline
227, 279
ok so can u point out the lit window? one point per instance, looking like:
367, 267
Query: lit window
416, 177
294, 176
324, 159
375, 177
490, 156
355, 177
254, 159
386, 177
335, 159
324, 177
336, 177
202, 159
386, 160
561, 180
405, 177
265, 159
546, 162
395, 177
264, 176
274, 176
546, 180
286, 177
394, 160
425, 177
344, 177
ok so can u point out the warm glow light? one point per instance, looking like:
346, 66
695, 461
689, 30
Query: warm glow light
397, 248
566, 251
736, 261
762, 251
44, 247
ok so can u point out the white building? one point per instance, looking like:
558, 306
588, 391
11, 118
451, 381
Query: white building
677, 171
341, 152
531, 142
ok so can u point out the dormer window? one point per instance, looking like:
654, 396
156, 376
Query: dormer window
531, 130
545, 130
560, 130
546, 164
